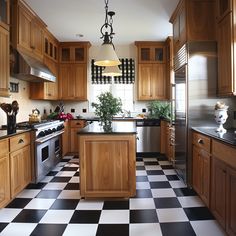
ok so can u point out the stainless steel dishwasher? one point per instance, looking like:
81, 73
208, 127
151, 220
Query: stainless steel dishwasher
148, 135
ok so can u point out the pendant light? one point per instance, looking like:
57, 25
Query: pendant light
112, 71
107, 55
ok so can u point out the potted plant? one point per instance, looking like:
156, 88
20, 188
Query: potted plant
107, 107
159, 109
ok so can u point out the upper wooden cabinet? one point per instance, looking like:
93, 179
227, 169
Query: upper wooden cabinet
151, 70
27, 30
193, 20
4, 62
5, 13
73, 52
226, 49
223, 8
51, 46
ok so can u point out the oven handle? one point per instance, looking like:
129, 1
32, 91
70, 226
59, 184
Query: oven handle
42, 140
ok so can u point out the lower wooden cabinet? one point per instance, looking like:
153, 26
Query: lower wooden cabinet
20, 165
65, 139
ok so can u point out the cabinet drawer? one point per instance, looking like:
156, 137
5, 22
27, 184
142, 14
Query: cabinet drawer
224, 152
77, 123
19, 141
4, 147
202, 141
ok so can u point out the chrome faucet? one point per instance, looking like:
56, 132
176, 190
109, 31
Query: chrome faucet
126, 113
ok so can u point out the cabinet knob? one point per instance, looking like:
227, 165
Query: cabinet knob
20, 141
200, 141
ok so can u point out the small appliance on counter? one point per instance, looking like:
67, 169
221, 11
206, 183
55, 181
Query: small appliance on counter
35, 116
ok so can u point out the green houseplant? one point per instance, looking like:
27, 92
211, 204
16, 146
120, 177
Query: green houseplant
159, 109
107, 107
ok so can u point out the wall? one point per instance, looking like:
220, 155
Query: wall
25, 104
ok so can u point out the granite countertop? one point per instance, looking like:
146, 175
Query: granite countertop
4, 134
95, 118
117, 128
228, 137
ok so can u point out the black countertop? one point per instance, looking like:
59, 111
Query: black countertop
228, 137
117, 128
4, 134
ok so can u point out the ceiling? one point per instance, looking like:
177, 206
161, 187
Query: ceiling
135, 20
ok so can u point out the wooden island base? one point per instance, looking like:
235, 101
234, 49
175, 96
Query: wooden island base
107, 165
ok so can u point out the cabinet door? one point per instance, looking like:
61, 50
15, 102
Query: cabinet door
176, 34
197, 170
4, 13
4, 180
74, 140
4, 62
218, 190
231, 203
26, 165
223, 8
158, 82
80, 75
225, 57
182, 26
65, 139
37, 39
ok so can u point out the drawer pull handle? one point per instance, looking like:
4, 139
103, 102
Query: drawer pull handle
21, 141
200, 141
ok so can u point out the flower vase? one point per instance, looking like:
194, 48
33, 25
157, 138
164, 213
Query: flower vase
11, 124
107, 125
220, 118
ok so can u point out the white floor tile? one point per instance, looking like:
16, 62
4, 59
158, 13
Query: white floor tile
18, 229
145, 203
40, 203
57, 217
54, 186
80, 229
157, 178
69, 194
207, 227
114, 217
60, 164
139, 163
141, 173
177, 184
164, 163
171, 215
71, 165
153, 167
66, 173
28, 193
89, 205
57, 168
145, 230
68, 157
190, 201
74, 179
142, 185
165, 192
169, 172
149, 159
8, 214
47, 179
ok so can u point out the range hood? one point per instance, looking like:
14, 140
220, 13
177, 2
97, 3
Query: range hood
29, 69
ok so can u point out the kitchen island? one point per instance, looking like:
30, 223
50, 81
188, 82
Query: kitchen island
108, 160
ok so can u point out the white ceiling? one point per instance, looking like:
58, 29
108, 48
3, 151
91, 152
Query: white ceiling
135, 20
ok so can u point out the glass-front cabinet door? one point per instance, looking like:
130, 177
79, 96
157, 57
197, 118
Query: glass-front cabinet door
4, 13
151, 54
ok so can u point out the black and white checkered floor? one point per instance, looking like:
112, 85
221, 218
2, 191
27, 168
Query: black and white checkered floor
163, 206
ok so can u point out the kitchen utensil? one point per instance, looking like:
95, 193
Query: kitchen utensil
6, 107
15, 107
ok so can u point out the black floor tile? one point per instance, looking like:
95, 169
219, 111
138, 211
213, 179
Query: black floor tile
143, 216
151, 163
139, 159
36, 186
52, 173
141, 179
172, 177
76, 174
3, 226
167, 202
161, 158
113, 205
140, 167
198, 213
155, 172
177, 228
72, 186
19, 203
61, 179
113, 229
49, 230
167, 167
160, 184
48, 194
86, 216
69, 168
143, 193
65, 204
29, 216
180, 192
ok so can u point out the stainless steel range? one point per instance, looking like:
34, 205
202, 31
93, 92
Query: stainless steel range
47, 150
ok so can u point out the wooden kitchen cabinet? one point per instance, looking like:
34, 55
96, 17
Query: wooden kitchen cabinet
75, 126
4, 62
66, 138
73, 82
20, 162
27, 30
51, 46
193, 20
224, 7
201, 166
5, 14
4, 173
223, 185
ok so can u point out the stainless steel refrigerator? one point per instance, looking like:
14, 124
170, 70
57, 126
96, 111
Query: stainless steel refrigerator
195, 68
